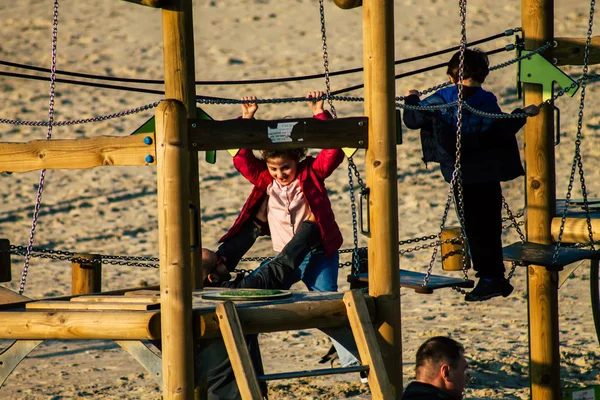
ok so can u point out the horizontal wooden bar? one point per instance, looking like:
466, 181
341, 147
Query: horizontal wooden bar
78, 153
278, 134
125, 325
117, 299
570, 51
280, 317
576, 230
82, 305
152, 3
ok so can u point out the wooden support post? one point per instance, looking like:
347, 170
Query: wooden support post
364, 335
5, 267
180, 75
86, 276
384, 279
235, 343
537, 22
174, 250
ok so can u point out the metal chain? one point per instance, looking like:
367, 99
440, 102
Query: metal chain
577, 163
517, 226
38, 199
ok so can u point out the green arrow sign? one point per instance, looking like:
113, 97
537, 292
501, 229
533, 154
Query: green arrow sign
536, 69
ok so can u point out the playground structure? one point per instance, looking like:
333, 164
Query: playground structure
169, 147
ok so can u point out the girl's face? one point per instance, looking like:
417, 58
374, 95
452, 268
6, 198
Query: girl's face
282, 169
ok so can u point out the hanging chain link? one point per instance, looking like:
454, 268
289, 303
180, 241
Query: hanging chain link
577, 163
38, 199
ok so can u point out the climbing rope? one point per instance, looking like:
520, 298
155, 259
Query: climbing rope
38, 200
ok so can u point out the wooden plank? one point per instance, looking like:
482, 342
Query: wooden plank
530, 253
5, 264
414, 280
143, 292
65, 324
86, 274
235, 343
280, 134
570, 51
75, 305
7, 296
117, 299
575, 229
348, 4
366, 342
77, 153
152, 3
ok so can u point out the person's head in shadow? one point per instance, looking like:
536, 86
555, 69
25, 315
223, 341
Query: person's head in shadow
440, 367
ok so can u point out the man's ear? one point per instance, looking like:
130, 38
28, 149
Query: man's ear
445, 371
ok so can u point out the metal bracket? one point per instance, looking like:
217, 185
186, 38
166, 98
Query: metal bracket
536, 69
12, 356
143, 355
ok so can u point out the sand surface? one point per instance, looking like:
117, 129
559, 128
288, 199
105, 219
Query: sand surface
113, 210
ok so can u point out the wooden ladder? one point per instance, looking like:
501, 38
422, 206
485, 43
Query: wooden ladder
362, 329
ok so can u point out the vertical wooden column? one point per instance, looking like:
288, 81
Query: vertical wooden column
174, 251
537, 23
180, 75
382, 177
86, 275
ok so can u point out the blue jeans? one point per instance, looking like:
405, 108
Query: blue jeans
318, 272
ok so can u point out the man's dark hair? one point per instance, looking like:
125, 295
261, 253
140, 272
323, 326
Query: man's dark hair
439, 349
476, 65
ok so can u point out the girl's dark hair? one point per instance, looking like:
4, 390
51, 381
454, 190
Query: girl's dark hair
293, 154
476, 65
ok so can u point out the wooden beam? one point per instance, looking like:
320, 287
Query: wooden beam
239, 356
174, 250
382, 176
280, 317
569, 51
348, 4
77, 153
80, 325
575, 230
282, 133
116, 299
366, 342
152, 3
537, 18
86, 275
7, 296
80, 305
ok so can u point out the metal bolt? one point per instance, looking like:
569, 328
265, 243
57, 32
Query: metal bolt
360, 123
149, 159
193, 125
194, 144
360, 142
147, 140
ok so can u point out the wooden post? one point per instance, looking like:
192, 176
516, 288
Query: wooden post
174, 250
537, 22
180, 75
5, 267
86, 276
384, 277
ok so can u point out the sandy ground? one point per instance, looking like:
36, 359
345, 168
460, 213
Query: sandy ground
113, 210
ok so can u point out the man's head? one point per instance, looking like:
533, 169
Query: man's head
212, 268
441, 362
476, 66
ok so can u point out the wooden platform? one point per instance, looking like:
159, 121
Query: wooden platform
414, 280
541, 254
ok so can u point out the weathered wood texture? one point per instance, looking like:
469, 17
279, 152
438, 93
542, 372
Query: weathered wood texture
570, 51
414, 280
529, 253
76, 153
282, 133
366, 342
381, 165
452, 253
5, 264
116, 299
575, 230
7, 296
174, 250
79, 325
81, 305
537, 18
235, 343
86, 275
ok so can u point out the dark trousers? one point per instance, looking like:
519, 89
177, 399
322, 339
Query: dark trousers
483, 227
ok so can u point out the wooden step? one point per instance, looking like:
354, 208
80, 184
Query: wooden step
414, 280
529, 253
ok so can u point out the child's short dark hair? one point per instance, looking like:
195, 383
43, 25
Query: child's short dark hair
293, 154
476, 65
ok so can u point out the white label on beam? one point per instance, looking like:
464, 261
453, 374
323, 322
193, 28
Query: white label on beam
282, 133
